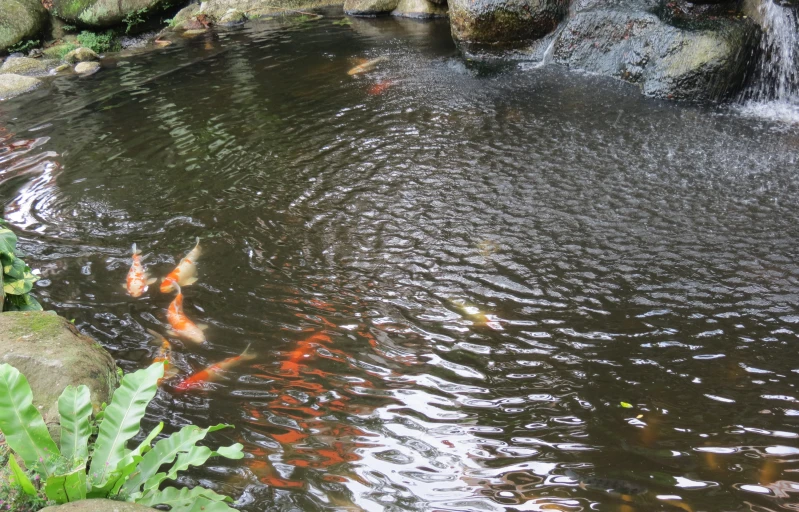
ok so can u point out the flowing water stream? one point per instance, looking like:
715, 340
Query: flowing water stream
468, 289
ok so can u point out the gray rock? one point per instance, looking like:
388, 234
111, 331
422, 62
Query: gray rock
20, 19
27, 66
14, 85
87, 68
81, 55
232, 17
100, 13
504, 22
52, 354
98, 506
707, 62
369, 7
419, 9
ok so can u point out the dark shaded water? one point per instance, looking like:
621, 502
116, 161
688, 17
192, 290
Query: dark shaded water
452, 284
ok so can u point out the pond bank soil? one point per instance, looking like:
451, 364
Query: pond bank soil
52, 355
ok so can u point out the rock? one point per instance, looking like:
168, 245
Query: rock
13, 85
87, 68
27, 66
81, 55
20, 19
705, 63
61, 68
232, 17
100, 13
194, 32
58, 51
52, 354
419, 9
504, 22
137, 41
215, 10
184, 15
369, 7
98, 506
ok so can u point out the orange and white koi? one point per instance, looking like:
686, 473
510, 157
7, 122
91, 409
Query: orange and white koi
213, 372
138, 280
379, 88
185, 274
367, 66
181, 325
163, 355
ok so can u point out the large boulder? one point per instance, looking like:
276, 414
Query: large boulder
81, 55
20, 19
52, 355
219, 11
707, 59
504, 22
98, 506
100, 13
419, 9
14, 85
369, 7
27, 66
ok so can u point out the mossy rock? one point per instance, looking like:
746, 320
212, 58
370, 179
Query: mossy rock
28, 67
20, 19
87, 68
13, 85
58, 51
504, 22
419, 9
100, 13
52, 355
80, 55
369, 7
98, 506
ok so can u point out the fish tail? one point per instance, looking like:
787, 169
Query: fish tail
155, 335
247, 354
177, 286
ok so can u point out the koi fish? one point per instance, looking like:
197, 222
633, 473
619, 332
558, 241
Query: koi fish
181, 325
212, 373
185, 274
138, 280
367, 66
163, 355
379, 88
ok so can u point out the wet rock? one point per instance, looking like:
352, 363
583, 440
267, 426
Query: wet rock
369, 7
137, 41
215, 10
62, 68
20, 19
233, 17
27, 66
52, 354
81, 55
504, 22
13, 85
58, 51
705, 62
100, 13
194, 32
419, 9
98, 506
87, 68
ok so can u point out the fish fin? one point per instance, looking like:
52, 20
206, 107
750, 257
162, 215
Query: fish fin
202, 327
247, 354
172, 332
171, 372
158, 337
190, 281
176, 286
125, 286
135, 250
152, 280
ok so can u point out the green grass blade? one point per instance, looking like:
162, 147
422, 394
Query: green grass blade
164, 452
66, 488
122, 420
22, 424
75, 408
20, 477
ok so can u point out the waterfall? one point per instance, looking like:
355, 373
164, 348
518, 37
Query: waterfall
775, 90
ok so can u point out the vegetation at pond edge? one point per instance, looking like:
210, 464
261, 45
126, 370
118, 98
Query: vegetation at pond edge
99, 42
93, 460
16, 280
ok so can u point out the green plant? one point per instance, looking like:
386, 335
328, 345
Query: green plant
23, 46
134, 18
12, 495
16, 279
105, 467
69, 28
99, 42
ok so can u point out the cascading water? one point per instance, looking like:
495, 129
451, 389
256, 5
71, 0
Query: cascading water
775, 90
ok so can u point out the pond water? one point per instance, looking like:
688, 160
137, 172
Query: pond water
468, 289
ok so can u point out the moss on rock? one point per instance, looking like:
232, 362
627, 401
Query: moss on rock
13, 85
20, 19
100, 13
504, 22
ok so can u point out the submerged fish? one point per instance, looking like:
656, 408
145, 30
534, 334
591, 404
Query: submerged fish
138, 280
185, 274
163, 355
379, 88
211, 373
181, 325
367, 66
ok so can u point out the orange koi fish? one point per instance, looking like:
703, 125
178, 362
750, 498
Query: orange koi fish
379, 88
367, 66
185, 274
163, 355
212, 373
138, 280
181, 325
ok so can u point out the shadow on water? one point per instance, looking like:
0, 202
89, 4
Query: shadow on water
467, 289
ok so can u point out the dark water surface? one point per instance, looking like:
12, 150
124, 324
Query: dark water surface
452, 281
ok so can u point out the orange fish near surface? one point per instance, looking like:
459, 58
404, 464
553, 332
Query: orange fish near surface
379, 88
367, 66
181, 325
163, 355
138, 280
185, 274
212, 373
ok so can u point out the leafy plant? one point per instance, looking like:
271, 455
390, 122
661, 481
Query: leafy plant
16, 279
114, 471
99, 42
133, 18
24, 46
